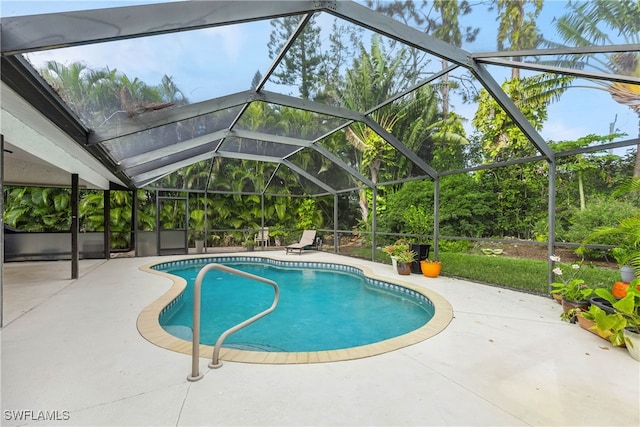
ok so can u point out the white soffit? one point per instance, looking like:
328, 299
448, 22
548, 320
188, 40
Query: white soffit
44, 155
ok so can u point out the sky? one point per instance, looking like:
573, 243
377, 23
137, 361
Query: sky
218, 61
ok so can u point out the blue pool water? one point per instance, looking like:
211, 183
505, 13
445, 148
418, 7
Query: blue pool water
320, 308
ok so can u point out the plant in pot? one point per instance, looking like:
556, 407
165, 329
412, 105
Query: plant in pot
197, 224
279, 235
627, 251
624, 323
629, 307
394, 250
249, 244
601, 323
624, 256
574, 291
198, 238
405, 258
430, 268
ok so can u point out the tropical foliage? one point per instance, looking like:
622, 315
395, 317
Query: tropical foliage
510, 201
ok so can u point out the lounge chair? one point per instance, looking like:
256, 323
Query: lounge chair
262, 238
308, 239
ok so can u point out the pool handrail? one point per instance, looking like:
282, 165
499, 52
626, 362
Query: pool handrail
195, 353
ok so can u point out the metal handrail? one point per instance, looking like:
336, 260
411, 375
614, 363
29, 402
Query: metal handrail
195, 353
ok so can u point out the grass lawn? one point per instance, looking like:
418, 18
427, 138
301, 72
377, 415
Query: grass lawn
523, 274
518, 273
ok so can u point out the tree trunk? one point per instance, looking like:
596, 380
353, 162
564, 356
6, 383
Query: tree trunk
636, 169
444, 90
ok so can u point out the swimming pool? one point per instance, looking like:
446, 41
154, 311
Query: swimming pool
372, 316
322, 306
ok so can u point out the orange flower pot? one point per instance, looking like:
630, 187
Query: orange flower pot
430, 268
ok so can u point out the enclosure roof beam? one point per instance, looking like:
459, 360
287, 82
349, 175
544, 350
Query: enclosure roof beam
495, 165
401, 147
308, 176
512, 110
306, 105
178, 157
562, 51
164, 152
418, 85
32, 33
259, 136
158, 118
396, 30
602, 147
261, 158
148, 177
274, 65
247, 156
301, 143
283, 52
561, 70
338, 162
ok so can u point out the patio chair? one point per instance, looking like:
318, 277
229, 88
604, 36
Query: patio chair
262, 238
308, 239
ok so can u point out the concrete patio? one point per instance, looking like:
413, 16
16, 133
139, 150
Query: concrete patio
71, 351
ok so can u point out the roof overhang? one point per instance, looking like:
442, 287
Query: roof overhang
46, 155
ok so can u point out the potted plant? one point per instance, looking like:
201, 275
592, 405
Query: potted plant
249, 244
405, 258
197, 224
430, 268
627, 251
390, 250
599, 322
279, 235
198, 238
574, 291
394, 250
624, 324
629, 307
624, 256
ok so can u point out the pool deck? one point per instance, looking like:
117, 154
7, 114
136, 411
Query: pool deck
72, 346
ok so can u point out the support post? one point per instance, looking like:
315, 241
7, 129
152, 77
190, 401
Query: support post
373, 223
436, 216
205, 232
551, 239
134, 220
75, 226
107, 223
1, 226
157, 222
335, 223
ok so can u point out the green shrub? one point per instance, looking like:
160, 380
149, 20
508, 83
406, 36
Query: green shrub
604, 212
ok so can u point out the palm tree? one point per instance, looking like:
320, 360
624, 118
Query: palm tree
373, 78
517, 26
81, 88
596, 23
